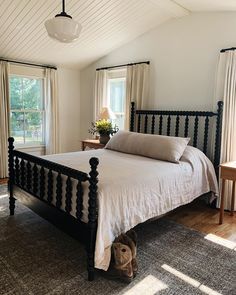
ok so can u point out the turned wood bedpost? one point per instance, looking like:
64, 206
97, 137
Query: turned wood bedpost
11, 174
132, 116
218, 137
92, 216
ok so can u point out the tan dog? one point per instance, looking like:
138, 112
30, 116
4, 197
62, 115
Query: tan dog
124, 250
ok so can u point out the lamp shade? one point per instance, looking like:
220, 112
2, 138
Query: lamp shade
107, 114
63, 29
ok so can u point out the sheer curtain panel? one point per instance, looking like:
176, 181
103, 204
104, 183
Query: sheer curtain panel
137, 88
100, 92
4, 117
51, 107
226, 86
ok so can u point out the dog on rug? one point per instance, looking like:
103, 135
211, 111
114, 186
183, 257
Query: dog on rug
123, 257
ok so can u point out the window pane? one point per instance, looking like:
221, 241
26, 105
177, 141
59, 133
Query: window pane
33, 127
17, 126
26, 95
32, 94
16, 93
117, 95
119, 121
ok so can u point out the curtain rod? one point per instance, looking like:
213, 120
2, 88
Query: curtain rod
228, 49
124, 65
27, 63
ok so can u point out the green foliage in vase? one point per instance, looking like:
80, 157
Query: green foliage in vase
103, 127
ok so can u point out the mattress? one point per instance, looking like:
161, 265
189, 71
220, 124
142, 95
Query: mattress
133, 189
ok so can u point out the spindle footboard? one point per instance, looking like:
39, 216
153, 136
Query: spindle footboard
36, 176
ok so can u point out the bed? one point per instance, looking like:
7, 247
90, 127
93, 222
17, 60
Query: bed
64, 188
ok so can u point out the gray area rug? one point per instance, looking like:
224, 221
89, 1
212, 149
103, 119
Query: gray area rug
37, 258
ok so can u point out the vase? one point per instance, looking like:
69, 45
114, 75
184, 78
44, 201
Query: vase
104, 138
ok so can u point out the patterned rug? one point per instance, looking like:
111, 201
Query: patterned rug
37, 258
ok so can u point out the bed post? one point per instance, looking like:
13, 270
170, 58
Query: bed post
218, 137
132, 116
11, 174
92, 216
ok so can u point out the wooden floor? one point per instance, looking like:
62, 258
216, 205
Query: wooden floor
3, 180
199, 216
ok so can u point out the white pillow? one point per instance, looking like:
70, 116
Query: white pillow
166, 148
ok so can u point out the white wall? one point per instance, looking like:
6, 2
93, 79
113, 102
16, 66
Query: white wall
69, 109
183, 53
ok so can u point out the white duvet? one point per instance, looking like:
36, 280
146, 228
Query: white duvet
133, 189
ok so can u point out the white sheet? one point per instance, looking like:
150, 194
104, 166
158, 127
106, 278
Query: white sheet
133, 189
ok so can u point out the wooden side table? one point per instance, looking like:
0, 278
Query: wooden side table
227, 172
92, 144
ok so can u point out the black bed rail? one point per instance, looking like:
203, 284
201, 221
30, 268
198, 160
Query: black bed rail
44, 179
51, 165
144, 120
37, 176
176, 113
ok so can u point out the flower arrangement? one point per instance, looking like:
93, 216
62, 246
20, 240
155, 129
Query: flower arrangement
104, 128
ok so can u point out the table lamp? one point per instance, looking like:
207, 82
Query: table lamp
107, 114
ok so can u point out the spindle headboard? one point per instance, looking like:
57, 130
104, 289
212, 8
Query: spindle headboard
161, 122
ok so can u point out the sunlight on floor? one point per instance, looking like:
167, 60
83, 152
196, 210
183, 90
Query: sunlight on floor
221, 241
148, 286
190, 281
3, 196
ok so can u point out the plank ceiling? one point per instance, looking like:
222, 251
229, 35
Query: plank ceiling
107, 24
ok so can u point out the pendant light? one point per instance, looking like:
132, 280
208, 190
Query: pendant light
62, 27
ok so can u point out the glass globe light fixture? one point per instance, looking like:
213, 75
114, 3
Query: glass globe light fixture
62, 27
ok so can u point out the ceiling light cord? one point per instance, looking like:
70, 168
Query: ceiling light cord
63, 13
63, 6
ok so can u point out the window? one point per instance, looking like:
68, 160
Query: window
27, 110
116, 86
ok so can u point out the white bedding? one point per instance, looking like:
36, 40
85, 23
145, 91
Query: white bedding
133, 189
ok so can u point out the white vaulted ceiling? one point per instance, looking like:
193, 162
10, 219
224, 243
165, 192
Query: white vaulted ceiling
107, 24
208, 5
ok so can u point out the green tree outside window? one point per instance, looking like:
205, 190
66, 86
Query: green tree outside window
27, 110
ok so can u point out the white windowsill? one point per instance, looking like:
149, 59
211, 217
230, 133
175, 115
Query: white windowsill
36, 150
30, 146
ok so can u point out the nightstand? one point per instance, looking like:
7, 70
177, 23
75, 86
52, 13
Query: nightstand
92, 144
227, 172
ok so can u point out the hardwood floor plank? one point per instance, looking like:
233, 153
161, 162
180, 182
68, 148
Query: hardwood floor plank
199, 216
3, 180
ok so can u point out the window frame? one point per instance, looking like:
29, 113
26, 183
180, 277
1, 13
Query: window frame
42, 110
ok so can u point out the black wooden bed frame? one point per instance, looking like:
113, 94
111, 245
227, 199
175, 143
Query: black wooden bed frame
33, 174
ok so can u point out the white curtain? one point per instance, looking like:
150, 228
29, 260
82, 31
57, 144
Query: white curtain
51, 108
100, 92
226, 88
4, 117
137, 88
